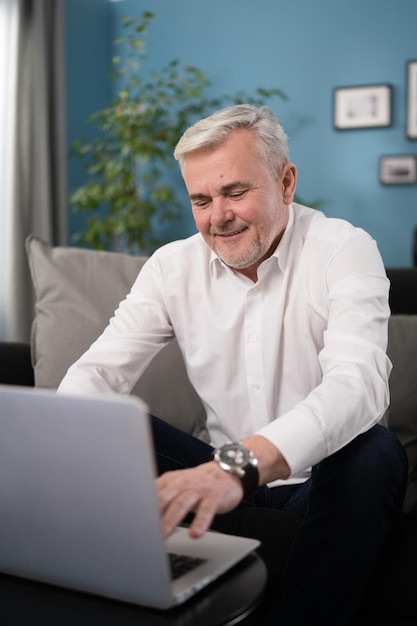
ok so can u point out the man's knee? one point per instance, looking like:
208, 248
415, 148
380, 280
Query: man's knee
381, 452
378, 467
373, 465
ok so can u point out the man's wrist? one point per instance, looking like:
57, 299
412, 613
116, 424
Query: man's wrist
235, 459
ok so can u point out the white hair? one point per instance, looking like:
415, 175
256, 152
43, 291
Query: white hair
272, 142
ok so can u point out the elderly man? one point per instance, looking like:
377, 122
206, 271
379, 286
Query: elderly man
281, 315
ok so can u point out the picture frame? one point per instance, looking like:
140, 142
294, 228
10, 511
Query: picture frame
411, 116
367, 106
398, 169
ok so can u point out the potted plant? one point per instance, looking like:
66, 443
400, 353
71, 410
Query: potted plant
127, 192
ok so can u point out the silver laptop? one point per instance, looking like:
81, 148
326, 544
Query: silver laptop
78, 506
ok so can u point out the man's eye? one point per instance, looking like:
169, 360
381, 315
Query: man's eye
200, 204
237, 194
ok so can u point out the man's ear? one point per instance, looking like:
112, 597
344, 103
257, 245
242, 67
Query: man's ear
288, 182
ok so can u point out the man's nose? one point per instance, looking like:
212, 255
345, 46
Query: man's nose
221, 212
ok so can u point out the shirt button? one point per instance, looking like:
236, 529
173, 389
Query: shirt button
256, 386
253, 338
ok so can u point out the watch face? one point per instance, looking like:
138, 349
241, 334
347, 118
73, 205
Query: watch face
234, 455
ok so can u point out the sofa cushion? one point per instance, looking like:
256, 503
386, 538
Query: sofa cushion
402, 413
76, 292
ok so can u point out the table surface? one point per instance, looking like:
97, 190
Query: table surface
225, 602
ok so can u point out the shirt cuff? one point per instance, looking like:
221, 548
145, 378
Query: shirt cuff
299, 439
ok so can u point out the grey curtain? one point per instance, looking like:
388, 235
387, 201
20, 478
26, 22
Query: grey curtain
37, 202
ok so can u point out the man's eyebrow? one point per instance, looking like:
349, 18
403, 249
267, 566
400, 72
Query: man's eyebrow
198, 196
233, 186
224, 190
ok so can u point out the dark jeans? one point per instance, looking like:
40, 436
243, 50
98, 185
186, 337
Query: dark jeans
346, 511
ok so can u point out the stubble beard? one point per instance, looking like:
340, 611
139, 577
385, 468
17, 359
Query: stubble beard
241, 259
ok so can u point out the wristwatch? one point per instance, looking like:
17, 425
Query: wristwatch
239, 461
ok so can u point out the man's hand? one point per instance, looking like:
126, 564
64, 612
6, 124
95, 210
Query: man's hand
206, 490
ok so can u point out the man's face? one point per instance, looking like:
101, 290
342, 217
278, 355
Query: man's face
239, 206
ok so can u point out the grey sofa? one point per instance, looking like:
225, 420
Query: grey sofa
76, 292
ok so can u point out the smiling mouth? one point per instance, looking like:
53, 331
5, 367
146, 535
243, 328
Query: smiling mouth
230, 234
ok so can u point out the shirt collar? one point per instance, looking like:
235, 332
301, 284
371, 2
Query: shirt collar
282, 250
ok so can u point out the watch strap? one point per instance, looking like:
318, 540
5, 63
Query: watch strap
250, 480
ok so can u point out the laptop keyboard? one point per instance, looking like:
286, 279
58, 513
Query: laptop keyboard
180, 564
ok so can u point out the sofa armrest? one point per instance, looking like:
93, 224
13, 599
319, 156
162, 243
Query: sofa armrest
15, 364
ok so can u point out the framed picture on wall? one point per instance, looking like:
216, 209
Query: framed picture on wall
412, 99
362, 107
398, 170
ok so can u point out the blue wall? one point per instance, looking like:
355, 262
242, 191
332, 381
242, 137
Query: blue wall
305, 47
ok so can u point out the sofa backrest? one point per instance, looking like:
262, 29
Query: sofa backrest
401, 416
403, 291
76, 292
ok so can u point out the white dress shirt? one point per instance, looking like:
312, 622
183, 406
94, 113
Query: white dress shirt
298, 357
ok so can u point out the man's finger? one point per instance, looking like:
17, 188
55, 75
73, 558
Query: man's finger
203, 518
176, 510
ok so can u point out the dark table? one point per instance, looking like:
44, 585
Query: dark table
228, 601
